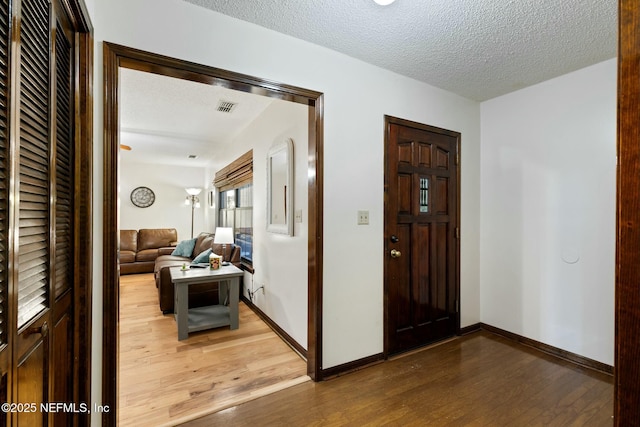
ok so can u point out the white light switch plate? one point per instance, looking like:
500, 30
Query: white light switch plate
298, 215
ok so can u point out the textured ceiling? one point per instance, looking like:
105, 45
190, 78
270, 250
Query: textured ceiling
479, 49
165, 119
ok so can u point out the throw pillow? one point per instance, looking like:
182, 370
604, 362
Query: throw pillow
203, 256
184, 248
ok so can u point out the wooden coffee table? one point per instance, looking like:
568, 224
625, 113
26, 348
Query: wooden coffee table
227, 278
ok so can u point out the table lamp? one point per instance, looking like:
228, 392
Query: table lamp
223, 236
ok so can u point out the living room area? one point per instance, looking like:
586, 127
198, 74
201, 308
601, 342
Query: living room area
181, 143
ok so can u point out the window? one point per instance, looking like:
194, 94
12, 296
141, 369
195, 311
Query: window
236, 211
235, 187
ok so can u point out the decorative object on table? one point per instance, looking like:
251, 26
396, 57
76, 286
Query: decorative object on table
193, 200
215, 261
224, 236
142, 197
280, 188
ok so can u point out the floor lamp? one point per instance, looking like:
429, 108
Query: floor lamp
193, 200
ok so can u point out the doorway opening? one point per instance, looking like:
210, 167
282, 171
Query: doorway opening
116, 57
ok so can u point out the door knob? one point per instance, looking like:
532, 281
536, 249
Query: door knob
395, 253
43, 330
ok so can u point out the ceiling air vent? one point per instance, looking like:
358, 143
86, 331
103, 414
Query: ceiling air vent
226, 106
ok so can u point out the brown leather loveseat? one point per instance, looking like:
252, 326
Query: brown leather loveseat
200, 295
140, 248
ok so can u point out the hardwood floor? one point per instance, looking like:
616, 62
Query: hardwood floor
163, 381
480, 379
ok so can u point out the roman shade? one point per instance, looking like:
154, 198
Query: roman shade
236, 174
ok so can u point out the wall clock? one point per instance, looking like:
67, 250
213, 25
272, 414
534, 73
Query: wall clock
142, 197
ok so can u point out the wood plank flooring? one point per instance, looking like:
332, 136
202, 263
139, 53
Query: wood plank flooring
163, 381
480, 379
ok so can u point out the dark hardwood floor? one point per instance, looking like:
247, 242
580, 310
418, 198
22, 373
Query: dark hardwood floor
479, 379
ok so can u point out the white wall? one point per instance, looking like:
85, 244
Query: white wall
279, 261
168, 210
548, 211
357, 96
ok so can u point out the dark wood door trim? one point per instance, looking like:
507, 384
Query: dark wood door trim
83, 220
388, 121
627, 337
116, 56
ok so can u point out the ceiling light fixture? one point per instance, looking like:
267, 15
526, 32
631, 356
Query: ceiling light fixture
384, 2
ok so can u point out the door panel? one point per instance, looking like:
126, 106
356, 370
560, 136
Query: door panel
400, 296
421, 250
61, 371
32, 382
442, 193
441, 289
404, 194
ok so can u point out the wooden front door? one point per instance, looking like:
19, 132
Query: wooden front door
421, 261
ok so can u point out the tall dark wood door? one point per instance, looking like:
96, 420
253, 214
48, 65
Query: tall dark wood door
37, 131
421, 227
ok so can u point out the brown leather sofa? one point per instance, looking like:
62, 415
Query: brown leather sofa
140, 248
200, 295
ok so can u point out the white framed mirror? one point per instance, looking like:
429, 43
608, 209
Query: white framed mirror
280, 188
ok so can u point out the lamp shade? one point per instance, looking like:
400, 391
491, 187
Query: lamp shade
224, 235
193, 191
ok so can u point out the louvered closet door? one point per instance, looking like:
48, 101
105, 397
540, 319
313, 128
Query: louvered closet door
37, 170
63, 213
43, 214
32, 213
5, 354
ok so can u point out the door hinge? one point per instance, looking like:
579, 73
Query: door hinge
457, 158
457, 232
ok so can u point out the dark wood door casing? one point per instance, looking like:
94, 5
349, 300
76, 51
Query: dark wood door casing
116, 56
627, 337
422, 250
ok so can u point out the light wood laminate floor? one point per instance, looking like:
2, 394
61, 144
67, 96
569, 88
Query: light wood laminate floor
480, 379
163, 381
